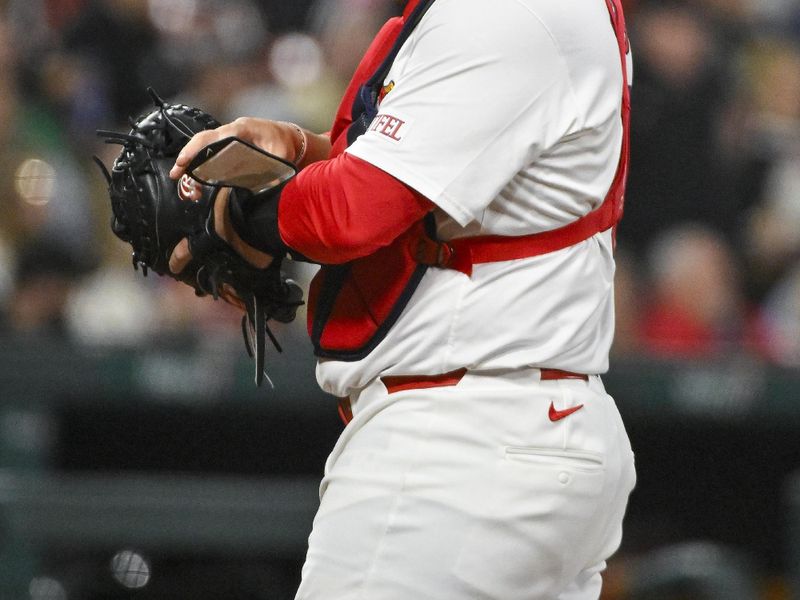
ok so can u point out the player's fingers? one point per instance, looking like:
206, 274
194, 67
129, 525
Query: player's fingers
197, 143
180, 257
246, 128
228, 294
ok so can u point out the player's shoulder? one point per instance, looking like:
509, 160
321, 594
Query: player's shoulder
563, 22
568, 11
480, 13
478, 26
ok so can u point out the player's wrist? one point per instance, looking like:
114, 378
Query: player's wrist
254, 219
298, 141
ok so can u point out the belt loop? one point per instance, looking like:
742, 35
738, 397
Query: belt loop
555, 374
345, 410
445, 255
399, 383
433, 253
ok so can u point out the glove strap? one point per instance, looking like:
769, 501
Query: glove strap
255, 331
255, 219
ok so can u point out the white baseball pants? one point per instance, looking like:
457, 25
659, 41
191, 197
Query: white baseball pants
472, 492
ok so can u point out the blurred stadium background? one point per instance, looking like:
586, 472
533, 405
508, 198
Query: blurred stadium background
137, 460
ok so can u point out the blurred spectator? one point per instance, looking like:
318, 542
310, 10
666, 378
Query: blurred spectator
109, 47
43, 190
115, 306
781, 319
7, 261
309, 71
773, 229
287, 16
112, 306
212, 48
44, 276
777, 16
695, 308
297, 85
627, 304
771, 165
680, 86
346, 27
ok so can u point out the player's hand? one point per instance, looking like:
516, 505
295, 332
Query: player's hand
285, 140
181, 255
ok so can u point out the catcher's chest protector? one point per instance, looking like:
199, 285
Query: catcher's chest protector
352, 306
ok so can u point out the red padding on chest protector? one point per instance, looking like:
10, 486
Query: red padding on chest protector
368, 294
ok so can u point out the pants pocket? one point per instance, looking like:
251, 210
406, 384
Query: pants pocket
538, 527
576, 459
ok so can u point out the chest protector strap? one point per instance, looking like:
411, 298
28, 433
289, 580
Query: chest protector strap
353, 306
462, 253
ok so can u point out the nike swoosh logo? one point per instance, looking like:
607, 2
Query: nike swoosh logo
557, 415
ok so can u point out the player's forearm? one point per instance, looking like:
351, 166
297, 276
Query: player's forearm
334, 211
317, 148
345, 208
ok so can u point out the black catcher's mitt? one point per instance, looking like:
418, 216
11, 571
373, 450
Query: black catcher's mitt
151, 216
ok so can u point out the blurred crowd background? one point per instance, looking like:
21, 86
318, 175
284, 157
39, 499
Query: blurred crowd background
709, 248
708, 251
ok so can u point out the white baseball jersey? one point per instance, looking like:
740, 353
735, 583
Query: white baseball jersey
506, 115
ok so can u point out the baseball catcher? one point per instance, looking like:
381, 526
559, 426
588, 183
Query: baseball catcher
462, 209
154, 214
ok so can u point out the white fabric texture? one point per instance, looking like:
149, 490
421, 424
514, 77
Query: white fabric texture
436, 493
506, 114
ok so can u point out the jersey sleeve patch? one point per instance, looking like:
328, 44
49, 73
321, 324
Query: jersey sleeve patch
390, 127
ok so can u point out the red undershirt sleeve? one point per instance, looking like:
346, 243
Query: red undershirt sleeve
341, 209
